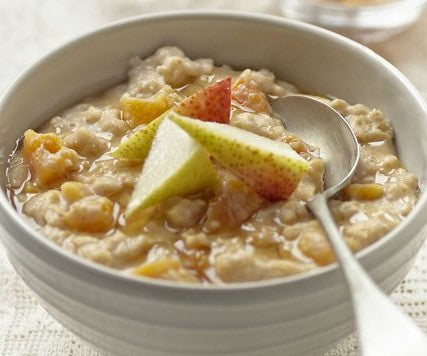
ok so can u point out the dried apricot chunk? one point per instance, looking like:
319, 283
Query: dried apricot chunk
157, 268
47, 157
314, 244
34, 140
143, 110
367, 191
73, 191
48, 168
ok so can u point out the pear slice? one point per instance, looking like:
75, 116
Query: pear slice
176, 165
138, 145
273, 169
211, 103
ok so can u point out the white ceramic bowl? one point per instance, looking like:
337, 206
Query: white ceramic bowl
299, 315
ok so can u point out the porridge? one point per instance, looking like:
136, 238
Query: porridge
123, 181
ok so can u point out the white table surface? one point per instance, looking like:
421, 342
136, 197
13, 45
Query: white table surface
28, 29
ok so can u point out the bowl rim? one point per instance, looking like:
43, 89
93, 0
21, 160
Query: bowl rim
10, 219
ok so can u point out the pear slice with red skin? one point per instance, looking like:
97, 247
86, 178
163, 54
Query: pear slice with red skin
273, 169
212, 103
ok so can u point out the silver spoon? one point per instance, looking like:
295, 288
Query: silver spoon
383, 329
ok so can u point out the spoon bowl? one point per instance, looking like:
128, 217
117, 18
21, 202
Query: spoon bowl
323, 127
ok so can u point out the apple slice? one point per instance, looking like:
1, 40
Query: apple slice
176, 165
273, 169
208, 104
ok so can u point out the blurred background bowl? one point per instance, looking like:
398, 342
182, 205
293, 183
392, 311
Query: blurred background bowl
365, 23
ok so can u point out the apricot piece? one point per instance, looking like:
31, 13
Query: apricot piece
315, 245
157, 268
73, 191
47, 157
367, 191
48, 168
143, 110
33, 140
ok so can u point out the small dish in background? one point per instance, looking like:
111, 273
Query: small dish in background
362, 20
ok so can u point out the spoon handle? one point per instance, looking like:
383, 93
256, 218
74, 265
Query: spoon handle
383, 328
